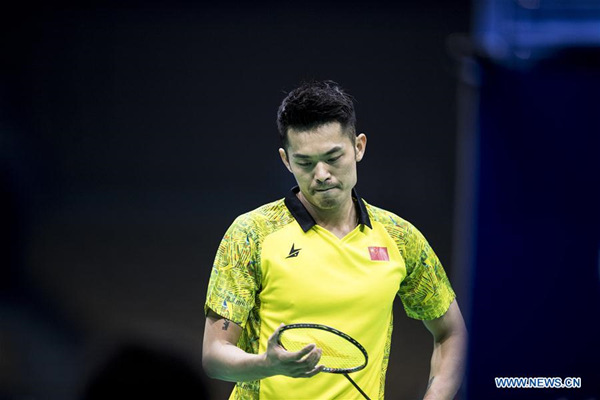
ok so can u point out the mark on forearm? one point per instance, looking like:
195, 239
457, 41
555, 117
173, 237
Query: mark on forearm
430, 382
226, 324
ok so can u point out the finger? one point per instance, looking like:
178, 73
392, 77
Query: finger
317, 357
301, 353
312, 358
301, 371
319, 353
313, 372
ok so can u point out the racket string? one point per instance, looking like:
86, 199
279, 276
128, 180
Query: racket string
338, 353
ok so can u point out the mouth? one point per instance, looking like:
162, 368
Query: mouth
324, 190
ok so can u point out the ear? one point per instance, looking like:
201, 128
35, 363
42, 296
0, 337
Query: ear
360, 146
284, 159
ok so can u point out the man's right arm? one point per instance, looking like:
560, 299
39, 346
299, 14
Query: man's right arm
222, 359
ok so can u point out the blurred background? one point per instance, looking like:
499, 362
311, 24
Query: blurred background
133, 133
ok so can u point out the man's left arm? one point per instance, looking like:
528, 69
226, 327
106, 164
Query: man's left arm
449, 354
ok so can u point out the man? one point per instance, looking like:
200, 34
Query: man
323, 255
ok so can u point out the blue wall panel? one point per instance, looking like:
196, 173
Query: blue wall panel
536, 286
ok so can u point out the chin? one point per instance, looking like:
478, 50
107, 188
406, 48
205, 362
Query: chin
327, 202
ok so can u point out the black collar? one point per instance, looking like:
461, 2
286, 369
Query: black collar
306, 221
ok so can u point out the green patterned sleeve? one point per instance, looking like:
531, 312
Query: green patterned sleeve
425, 292
233, 281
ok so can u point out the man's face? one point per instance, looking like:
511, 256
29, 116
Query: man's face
323, 161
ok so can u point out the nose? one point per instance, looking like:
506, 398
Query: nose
322, 173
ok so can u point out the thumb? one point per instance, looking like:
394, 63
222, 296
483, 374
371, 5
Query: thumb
273, 337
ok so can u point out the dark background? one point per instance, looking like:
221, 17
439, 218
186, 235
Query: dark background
132, 134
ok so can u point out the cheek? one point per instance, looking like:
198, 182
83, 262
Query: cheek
347, 169
301, 177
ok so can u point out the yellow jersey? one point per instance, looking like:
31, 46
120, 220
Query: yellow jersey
275, 264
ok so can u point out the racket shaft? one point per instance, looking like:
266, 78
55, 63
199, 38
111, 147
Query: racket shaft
357, 387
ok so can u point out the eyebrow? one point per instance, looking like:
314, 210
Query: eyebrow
333, 150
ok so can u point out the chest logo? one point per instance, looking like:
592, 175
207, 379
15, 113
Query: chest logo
293, 252
379, 254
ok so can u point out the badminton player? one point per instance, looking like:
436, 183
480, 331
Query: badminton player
323, 255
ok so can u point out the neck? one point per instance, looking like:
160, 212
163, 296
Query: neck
340, 220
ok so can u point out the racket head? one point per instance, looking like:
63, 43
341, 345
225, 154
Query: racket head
341, 353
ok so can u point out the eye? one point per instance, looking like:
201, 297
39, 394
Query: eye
334, 159
303, 164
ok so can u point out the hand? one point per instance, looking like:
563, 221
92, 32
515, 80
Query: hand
300, 364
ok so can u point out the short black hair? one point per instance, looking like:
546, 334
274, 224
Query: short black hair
315, 103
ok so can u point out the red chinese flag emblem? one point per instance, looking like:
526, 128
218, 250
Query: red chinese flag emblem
379, 254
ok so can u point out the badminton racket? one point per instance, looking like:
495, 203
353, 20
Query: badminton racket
341, 354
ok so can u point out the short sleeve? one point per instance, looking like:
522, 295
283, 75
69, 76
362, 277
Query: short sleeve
425, 292
233, 281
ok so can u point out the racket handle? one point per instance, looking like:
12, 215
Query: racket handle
357, 387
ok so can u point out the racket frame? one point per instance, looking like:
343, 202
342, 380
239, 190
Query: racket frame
334, 331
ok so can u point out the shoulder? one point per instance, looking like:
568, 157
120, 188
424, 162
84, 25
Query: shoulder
390, 221
262, 220
407, 237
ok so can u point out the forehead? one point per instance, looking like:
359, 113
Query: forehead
318, 140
